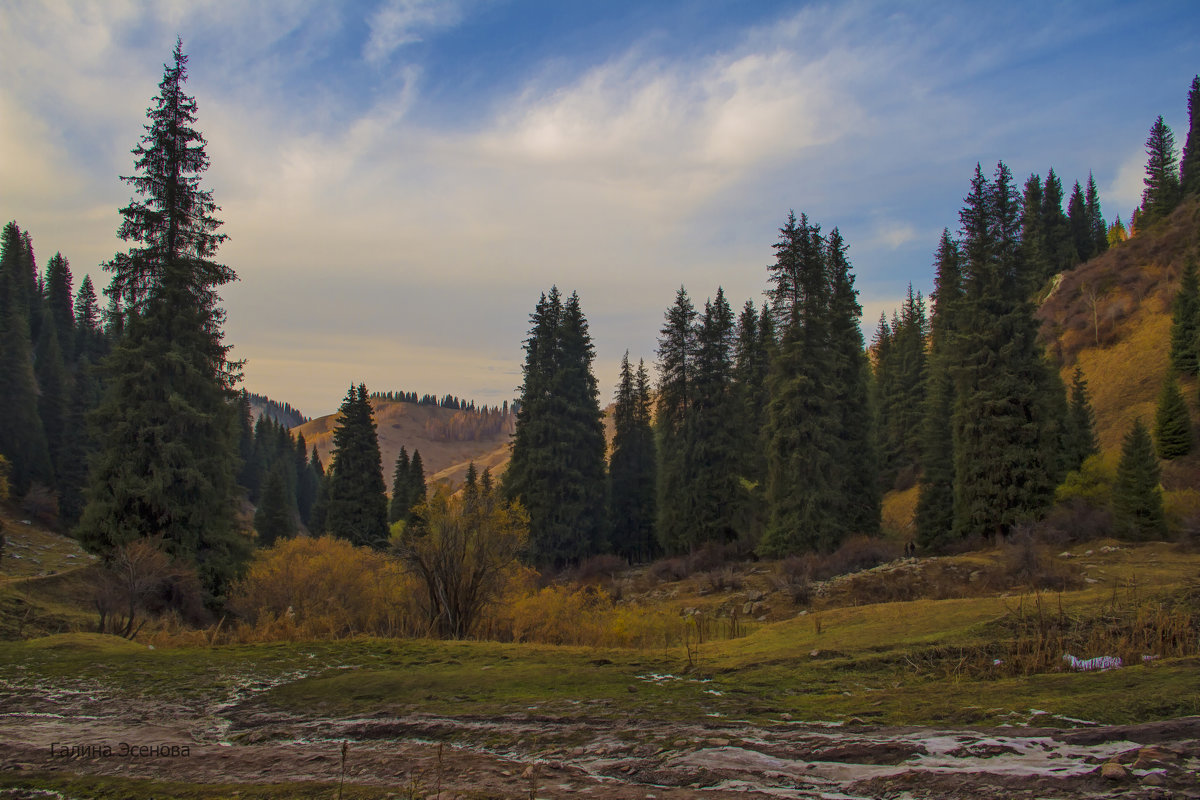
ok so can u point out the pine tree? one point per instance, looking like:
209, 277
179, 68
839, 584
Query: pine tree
752, 361
1172, 424
1185, 321
804, 454
631, 468
900, 366
357, 503
557, 463
401, 491
675, 424
1006, 431
89, 337
1080, 434
585, 512
716, 487
416, 482
1137, 495
935, 503
54, 390
1080, 224
316, 520
859, 502
166, 454
1059, 242
1033, 228
1162, 174
1099, 229
59, 309
22, 438
1189, 166
273, 518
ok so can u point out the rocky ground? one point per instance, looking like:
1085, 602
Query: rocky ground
243, 739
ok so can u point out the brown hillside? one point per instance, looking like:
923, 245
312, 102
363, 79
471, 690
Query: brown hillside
418, 427
1112, 318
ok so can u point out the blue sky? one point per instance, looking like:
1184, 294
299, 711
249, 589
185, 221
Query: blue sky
400, 179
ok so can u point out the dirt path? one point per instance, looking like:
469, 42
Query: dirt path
524, 755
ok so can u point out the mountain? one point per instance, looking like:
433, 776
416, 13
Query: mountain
448, 438
282, 413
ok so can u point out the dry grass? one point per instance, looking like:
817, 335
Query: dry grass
1112, 317
406, 424
899, 514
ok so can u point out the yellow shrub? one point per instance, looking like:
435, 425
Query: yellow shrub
304, 588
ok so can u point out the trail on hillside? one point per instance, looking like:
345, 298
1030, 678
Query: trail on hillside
535, 754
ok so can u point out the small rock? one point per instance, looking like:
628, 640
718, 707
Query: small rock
1154, 779
1147, 757
748, 609
528, 773
632, 689
754, 595
1113, 771
1065, 555
718, 743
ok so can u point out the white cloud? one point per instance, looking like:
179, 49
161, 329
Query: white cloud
895, 234
400, 22
1125, 193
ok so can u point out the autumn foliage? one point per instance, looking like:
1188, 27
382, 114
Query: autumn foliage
305, 588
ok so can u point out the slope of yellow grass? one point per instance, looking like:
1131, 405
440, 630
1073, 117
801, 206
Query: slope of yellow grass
407, 425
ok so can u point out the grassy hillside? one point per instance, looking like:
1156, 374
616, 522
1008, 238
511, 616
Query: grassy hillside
1111, 317
415, 427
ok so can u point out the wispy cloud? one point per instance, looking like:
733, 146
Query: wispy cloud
401, 22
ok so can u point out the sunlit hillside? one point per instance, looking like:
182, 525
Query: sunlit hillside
444, 453
1112, 318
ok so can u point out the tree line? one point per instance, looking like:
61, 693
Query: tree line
774, 429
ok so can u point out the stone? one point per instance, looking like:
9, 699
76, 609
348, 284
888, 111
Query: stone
1154, 779
1113, 771
754, 595
748, 609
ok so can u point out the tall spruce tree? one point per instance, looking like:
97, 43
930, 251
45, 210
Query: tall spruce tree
935, 502
1059, 243
60, 310
1099, 230
1161, 194
1079, 439
900, 367
166, 452
675, 424
417, 490
859, 488
632, 467
1172, 424
1189, 166
1137, 495
805, 454
751, 364
1006, 430
717, 486
401, 500
273, 518
1185, 321
54, 392
22, 439
1033, 228
1080, 224
356, 507
557, 464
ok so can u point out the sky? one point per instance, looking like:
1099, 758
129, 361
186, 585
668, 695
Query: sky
401, 179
